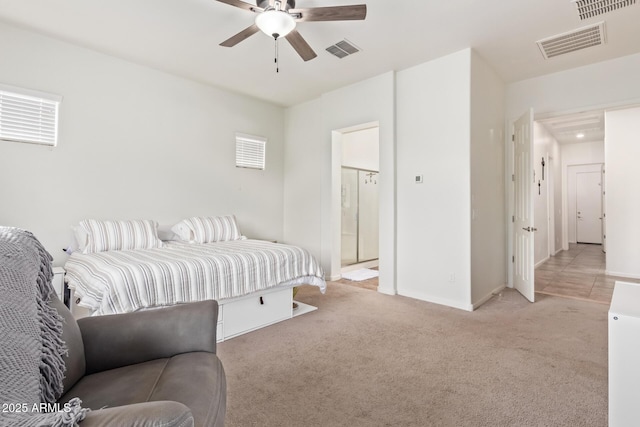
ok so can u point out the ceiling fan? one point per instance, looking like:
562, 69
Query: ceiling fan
278, 19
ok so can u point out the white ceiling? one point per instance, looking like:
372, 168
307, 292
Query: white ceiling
182, 37
567, 128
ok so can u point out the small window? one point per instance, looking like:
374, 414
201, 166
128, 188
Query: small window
250, 151
28, 116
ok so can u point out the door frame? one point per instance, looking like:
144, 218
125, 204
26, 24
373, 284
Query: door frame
599, 200
336, 180
567, 203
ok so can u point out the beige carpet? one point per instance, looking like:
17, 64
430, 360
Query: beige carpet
367, 359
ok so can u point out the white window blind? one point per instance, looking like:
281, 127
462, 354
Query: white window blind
250, 151
28, 116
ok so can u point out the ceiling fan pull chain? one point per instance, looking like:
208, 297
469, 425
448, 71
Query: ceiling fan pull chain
276, 58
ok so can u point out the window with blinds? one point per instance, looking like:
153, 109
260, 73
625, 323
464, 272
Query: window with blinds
28, 116
250, 151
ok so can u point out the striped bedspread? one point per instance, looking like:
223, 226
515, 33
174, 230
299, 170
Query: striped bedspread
124, 281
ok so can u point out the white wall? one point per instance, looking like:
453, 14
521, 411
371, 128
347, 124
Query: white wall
542, 144
540, 198
488, 252
622, 186
303, 180
602, 84
360, 149
426, 229
554, 169
433, 134
368, 101
134, 143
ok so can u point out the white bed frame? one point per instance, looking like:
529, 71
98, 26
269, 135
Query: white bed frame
237, 316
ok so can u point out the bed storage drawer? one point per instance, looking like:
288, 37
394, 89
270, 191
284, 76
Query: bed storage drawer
256, 311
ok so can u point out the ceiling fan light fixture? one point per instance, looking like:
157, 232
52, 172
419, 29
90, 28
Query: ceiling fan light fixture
275, 23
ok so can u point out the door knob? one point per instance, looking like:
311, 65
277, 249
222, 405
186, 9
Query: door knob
530, 229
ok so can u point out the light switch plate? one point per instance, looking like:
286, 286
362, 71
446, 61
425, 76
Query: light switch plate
419, 179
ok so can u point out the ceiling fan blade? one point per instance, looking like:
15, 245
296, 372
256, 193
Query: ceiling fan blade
333, 13
242, 5
300, 45
244, 34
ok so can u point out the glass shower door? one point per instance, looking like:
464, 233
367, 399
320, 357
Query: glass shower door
359, 195
349, 195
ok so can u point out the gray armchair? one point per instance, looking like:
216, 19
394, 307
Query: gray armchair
156, 367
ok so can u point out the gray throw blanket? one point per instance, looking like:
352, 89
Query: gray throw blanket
31, 347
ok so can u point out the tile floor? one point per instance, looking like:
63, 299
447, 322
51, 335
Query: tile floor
577, 273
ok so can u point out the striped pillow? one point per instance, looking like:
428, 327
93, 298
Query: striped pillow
120, 235
208, 229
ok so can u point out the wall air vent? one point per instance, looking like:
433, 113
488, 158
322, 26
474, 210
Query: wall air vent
590, 8
342, 49
582, 38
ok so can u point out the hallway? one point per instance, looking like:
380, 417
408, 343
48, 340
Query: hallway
577, 273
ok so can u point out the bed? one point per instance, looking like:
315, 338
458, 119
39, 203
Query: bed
252, 280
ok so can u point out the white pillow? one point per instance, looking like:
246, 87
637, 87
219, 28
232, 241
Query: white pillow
208, 229
166, 234
183, 231
120, 235
80, 237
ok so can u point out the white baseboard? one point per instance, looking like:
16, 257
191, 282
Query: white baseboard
441, 301
558, 251
618, 274
386, 291
541, 262
488, 296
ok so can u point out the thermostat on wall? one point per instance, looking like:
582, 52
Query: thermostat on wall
419, 179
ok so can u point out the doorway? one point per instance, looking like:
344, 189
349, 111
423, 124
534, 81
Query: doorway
589, 207
584, 195
359, 203
576, 269
560, 143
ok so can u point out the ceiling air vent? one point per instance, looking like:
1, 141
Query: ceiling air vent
590, 8
342, 49
572, 41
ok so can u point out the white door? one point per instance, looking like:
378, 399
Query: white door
589, 207
523, 249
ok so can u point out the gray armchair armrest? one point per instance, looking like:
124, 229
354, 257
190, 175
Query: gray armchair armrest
125, 339
148, 414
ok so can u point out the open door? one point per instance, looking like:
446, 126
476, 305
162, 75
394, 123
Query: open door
523, 250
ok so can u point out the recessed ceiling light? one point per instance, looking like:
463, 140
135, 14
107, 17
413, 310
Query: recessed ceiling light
580, 135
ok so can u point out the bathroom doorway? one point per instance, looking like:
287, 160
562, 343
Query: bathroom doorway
359, 198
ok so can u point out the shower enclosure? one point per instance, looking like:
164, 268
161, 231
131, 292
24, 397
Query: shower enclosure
359, 215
